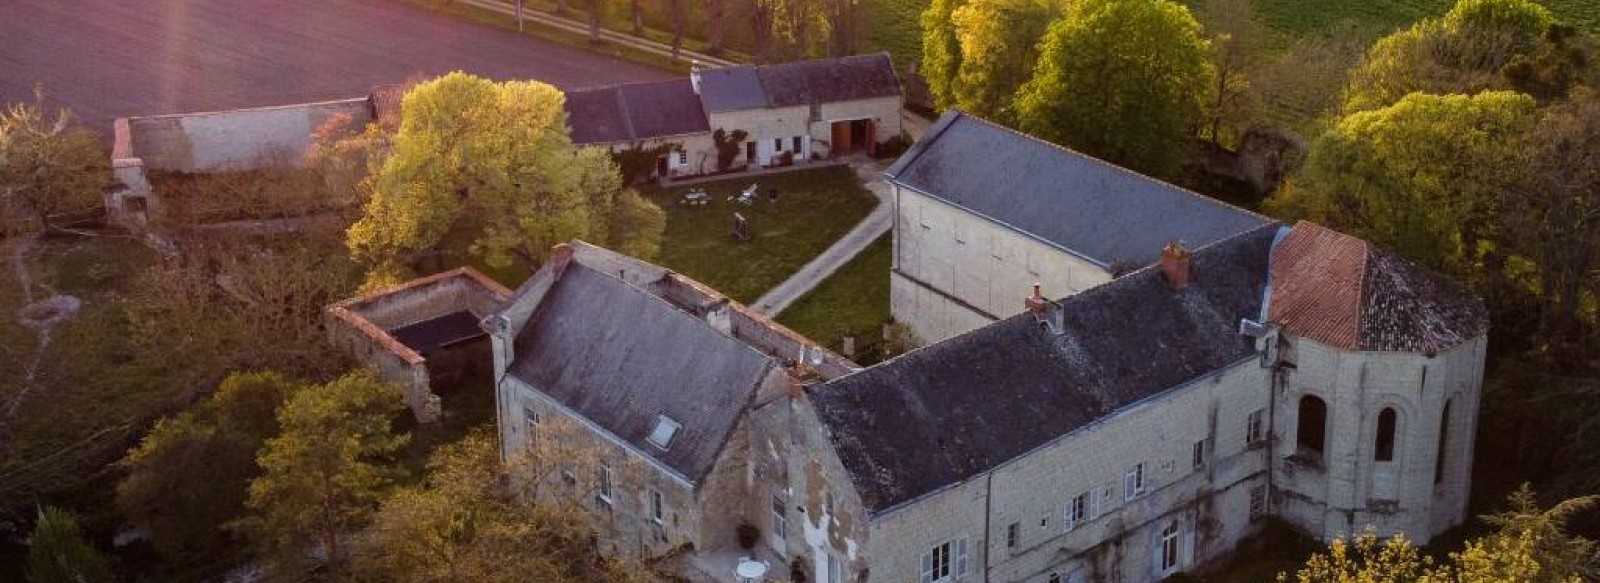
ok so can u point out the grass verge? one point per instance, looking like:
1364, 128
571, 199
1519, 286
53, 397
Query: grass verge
853, 302
813, 209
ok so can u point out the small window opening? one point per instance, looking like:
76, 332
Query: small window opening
665, 430
1383, 450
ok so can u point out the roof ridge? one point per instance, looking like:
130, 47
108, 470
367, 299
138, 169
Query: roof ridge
1101, 162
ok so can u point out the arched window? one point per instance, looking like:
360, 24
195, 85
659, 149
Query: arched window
1313, 424
1383, 450
1444, 443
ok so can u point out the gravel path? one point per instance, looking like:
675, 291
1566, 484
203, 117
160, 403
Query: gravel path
112, 58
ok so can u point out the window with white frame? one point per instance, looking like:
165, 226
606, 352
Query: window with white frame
663, 432
603, 481
682, 157
1169, 548
780, 517
657, 507
835, 569
1077, 511
1102, 501
944, 561
1012, 535
1199, 454
1254, 426
1133, 482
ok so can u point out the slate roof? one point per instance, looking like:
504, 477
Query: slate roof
828, 80
635, 111
1347, 293
799, 83
732, 89
974, 401
429, 336
1094, 209
619, 356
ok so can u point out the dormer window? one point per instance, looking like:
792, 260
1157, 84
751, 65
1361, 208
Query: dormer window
665, 430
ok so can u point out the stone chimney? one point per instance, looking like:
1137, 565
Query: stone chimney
560, 258
1175, 265
720, 317
1036, 302
694, 75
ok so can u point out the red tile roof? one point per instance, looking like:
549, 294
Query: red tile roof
1342, 291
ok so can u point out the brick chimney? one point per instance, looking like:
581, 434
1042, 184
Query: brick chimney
560, 258
1036, 302
1175, 265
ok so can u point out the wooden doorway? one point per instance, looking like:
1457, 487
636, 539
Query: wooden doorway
851, 136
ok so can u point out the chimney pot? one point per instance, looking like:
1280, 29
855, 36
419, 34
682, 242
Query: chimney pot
1175, 265
1036, 302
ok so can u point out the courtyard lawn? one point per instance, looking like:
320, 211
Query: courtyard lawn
854, 301
813, 209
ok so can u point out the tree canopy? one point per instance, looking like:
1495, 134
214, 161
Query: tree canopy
998, 46
58, 553
941, 51
47, 166
1420, 177
1462, 52
323, 475
1123, 80
488, 169
215, 444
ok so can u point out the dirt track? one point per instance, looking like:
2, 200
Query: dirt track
112, 58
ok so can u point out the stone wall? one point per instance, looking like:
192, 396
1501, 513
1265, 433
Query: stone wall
764, 126
971, 270
1345, 489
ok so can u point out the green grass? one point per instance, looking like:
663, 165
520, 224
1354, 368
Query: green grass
815, 207
895, 26
854, 301
1295, 18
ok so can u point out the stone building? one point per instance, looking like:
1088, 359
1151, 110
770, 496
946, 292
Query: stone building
660, 373
789, 113
1136, 422
982, 211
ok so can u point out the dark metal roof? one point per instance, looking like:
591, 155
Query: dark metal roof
1099, 211
828, 80
428, 336
732, 89
620, 356
636, 111
1345, 292
948, 412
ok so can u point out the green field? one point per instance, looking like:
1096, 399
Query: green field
814, 208
854, 301
1295, 18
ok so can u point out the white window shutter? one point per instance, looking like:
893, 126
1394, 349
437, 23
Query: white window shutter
961, 556
927, 568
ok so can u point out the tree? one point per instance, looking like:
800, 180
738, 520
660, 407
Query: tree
488, 169
58, 553
1462, 52
1554, 217
214, 444
47, 166
1559, 64
675, 10
464, 524
1529, 545
1122, 81
347, 156
324, 474
1421, 177
1235, 38
999, 47
941, 51
716, 11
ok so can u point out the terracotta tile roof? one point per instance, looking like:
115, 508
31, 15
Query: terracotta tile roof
1344, 292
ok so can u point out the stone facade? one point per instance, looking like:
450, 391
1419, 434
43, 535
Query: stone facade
955, 270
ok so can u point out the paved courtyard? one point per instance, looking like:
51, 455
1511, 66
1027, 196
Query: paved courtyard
112, 58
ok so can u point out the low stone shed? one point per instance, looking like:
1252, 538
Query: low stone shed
421, 332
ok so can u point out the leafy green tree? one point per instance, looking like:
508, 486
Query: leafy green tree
488, 169
1462, 52
999, 45
1563, 61
941, 51
1421, 177
58, 553
464, 524
214, 444
1236, 39
327, 470
1123, 80
47, 166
